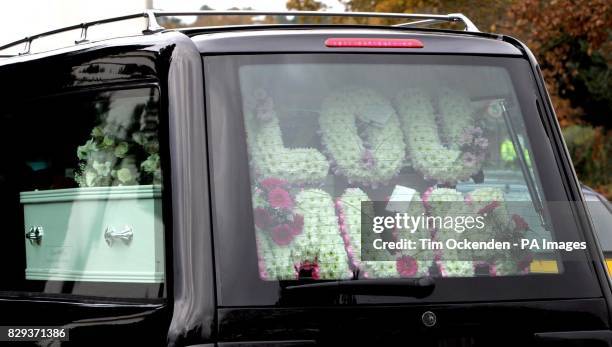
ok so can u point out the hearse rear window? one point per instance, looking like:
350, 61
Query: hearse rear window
312, 154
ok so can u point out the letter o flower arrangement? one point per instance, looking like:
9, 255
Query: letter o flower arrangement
404, 264
297, 236
448, 148
269, 156
360, 131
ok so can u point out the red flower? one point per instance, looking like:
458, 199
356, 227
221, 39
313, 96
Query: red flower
272, 182
490, 207
406, 266
309, 270
280, 198
263, 220
282, 234
519, 222
297, 225
524, 263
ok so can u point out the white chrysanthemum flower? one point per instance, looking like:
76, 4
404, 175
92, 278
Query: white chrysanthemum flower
423, 135
272, 159
339, 134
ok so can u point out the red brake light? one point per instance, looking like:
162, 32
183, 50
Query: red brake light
372, 42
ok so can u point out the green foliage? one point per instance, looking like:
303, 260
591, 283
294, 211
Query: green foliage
591, 151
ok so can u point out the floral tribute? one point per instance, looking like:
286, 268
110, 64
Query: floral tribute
360, 130
121, 151
446, 145
269, 156
297, 233
400, 264
499, 225
274, 215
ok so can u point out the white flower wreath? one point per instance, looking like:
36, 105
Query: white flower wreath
403, 264
269, 156
319, 246
500, 225
461, 153
360, 130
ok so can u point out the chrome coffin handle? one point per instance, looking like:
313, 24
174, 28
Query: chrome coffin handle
35, 235
111, 235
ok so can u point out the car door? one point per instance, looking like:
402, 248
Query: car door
84, 246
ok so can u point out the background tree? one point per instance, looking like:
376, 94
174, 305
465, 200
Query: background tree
307, 5
485, 13
571, 40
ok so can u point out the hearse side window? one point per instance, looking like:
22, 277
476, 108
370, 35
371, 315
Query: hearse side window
80, 192
302, 145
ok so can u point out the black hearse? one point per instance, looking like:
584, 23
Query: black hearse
205, 186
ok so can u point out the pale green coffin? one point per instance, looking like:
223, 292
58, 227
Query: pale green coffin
101, 234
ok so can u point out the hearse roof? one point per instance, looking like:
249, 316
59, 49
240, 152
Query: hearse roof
313, 39
293, 37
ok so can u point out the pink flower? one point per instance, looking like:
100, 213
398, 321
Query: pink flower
272, 182
468, 199
263, 220
490, 207
282, 234
426, 196
519, 223
367, 159
280, 198
406, 266
297, 225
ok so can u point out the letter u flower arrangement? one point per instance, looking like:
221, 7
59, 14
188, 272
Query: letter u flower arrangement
499, 224
442, 139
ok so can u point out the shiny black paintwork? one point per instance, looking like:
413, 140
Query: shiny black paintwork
190, 316
172, 62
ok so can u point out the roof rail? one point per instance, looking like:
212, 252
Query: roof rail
153, 26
